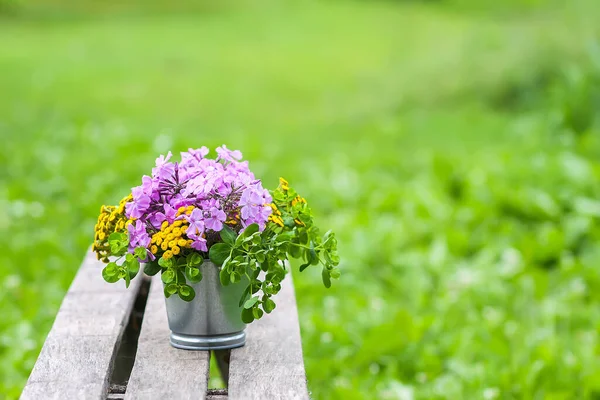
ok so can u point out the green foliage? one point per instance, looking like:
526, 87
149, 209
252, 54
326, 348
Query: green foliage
126, 266
253, 251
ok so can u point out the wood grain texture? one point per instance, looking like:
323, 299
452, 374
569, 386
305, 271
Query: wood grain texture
270, 365
76, 359
161, 371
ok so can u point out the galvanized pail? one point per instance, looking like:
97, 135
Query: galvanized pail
212, 320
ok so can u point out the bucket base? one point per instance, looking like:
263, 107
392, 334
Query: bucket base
218, 342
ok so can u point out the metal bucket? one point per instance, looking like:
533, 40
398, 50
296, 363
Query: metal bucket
212, 320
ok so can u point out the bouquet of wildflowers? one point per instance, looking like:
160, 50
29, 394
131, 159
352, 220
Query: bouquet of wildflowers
203, 208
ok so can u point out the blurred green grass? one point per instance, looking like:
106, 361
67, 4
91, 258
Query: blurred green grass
453, 148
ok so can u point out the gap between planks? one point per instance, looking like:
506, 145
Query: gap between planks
96, 331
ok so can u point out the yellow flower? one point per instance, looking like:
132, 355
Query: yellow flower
297, 200
177, 223
277, 220
177, 231
164, 245
181, 243
159, 240
168, 254
184, 228
175, 250
164, 225
101, 235
172, 243
170, 237
153, 249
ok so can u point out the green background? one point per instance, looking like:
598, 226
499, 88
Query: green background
451, 145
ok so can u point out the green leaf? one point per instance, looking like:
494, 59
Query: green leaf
194, 260
133, 267
186, 293
235, 277
314, 259
247, 316
284, 237
171, 289
110, 273
295, 251
228, 235
180, 262
335, 258
251, 302
193, 274
151, 268
127, 279
245, 295
224, 277
268, 305
335, 273
304, 266
180, 276
326, 279
219, 252
249, 231
165, 263
141, 253
289, 222
117, 236
257, 313
168, 276
302, 237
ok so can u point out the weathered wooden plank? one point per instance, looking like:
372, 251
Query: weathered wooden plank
270, 365
161, 371
77, 357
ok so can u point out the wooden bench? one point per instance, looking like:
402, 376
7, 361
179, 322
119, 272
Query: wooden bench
109, 342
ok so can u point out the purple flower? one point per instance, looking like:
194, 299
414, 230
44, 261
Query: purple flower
164, 172
147, 185
199, 244
196, 221
194, 154
228, 155
169, 215
200, 185
216, 219
216, 188
250, 201
139, 205
162, 160
138, 237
